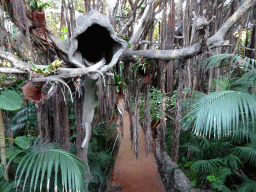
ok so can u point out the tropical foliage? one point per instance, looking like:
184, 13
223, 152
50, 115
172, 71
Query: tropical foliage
227, 118
45, 166
37, 4
119, 80
10, 100
217, 129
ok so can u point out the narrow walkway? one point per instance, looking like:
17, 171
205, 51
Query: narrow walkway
131, 174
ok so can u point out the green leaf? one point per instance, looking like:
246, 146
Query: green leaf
207, 166
44, 164
221, 113
247, 186
5, 186
247, 153
212, 178
65, 29
72, 116
10, 100
95, 103
2, 170
46, 68
22, 141
34, 65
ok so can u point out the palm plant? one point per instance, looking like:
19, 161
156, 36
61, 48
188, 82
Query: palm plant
229, 112
227, 58
246, 153
5, 185
247, 186
26, 117
40, 165
223, 112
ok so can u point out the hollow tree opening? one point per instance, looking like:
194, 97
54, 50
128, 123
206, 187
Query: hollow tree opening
96, 43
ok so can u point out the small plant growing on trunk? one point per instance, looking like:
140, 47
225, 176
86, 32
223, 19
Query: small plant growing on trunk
37, 4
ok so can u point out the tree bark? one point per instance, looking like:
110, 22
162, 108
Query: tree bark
177, 124
170, 45
60, 114
2, 144
79, 128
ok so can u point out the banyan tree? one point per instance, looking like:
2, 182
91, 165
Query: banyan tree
97, 45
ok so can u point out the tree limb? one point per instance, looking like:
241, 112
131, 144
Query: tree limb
162, 54
10, 70
218, 38
141, 25
17, 63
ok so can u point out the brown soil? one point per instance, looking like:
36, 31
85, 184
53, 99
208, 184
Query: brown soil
135, 175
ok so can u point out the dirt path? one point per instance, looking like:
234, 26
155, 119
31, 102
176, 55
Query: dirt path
131, 174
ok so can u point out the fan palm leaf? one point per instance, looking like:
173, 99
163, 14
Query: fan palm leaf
41, 160
217, 59
244, 134
232, 161
246, 153
207, 166
220, 113
247, 186
247, 81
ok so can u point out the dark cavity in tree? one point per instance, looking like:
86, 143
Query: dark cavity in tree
96, 43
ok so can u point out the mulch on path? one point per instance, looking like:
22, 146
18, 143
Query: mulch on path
131, 174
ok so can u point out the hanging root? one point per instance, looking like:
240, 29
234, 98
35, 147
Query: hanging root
147, 121
122, 126
87, 127
52, 89
136, 134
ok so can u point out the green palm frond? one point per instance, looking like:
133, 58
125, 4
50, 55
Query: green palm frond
207, 166
187, 102
247, 186
223, 83
247, 153
220, 113
247, 81
195, 150
245, 134
21, 119
218, 148
232, 161
203, 148
40, 161
217, 59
